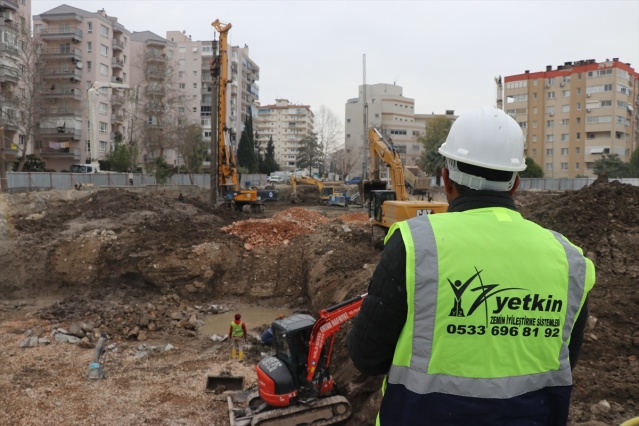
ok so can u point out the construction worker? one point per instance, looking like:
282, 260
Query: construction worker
237, 333
475, 316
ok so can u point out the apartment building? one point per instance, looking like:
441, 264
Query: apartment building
80, 48
574, 113
15, 18
287, 124
392, 112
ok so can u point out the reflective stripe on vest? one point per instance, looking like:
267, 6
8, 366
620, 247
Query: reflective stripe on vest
461, 328
237, 330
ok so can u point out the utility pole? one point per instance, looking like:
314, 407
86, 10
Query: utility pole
365, 133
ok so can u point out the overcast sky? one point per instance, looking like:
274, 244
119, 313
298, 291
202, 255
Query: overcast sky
445, 54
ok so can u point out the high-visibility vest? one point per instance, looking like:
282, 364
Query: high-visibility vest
237, 329
492, 300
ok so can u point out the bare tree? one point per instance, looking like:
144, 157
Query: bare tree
328, 128
23, 102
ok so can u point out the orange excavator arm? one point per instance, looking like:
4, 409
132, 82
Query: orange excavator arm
324, 330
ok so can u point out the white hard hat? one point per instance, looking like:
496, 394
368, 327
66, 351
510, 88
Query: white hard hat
487, 138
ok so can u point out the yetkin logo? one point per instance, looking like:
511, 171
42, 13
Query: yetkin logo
484, 292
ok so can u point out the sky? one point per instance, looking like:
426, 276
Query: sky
444, 54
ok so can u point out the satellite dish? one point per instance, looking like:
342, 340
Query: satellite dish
79, 65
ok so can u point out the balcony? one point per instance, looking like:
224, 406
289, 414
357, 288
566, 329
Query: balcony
73, 75
155, 57
154, 107
58, 34
116, 79
66, 93
8, 73
117, 118
8, 4
116, 99
8, 126
155, 75
60, 111
60, 133
154, 91
60, 150
117, 44
74, 53
9, 49
117, 63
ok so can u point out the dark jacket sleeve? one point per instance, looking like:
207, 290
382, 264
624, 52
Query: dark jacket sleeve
577, 335
376, 329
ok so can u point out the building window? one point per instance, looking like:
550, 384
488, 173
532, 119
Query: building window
103, 108
89, 27
577, 150
103, 146
181, 74
550, 138
104, 51
565, 108
566, 93
564, 137
577, 166
103, 127
104, 31
534, 138
181, 49
551, 95
534, 152
88, 65
195, 85
550, 123
565, 122
104, 70
564, 166
181, 62
564, 151
194, 109
182, 86
549, 152
578, 135
89, 47
534, 124
548, 166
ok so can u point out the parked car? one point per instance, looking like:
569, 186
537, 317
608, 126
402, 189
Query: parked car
354, 181
277, 179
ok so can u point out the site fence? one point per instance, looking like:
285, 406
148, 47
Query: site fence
44, 181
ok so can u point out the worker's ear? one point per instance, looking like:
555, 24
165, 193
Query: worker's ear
515, 185
449, 187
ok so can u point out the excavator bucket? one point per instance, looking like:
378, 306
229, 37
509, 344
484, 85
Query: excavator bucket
219, 384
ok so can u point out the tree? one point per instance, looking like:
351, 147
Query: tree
246, 155
193, 151
611, 165
328, 127
269, 165
309, 153
120, 159
533, 170
431, 160
633, 165
30, 163
24, 107
161, 170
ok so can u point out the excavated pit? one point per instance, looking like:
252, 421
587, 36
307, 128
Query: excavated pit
148, 269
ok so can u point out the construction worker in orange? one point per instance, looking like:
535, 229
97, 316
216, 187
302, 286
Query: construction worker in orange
237, 333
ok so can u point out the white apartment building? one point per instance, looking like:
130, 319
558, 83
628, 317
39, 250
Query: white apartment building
574, 113
194, 75
287, 124
15, 18
391, 112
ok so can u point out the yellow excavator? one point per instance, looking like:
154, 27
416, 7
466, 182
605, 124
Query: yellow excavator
246, 200
387, 206
325, 190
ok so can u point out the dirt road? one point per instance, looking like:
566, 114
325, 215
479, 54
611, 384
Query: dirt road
148, 269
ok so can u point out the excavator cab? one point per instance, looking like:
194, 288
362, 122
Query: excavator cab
377, 198
283, 376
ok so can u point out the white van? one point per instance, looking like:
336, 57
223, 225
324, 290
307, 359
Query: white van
278, 177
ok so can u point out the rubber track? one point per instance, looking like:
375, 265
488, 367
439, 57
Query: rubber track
286, 416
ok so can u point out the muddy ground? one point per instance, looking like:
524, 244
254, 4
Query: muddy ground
148, 269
